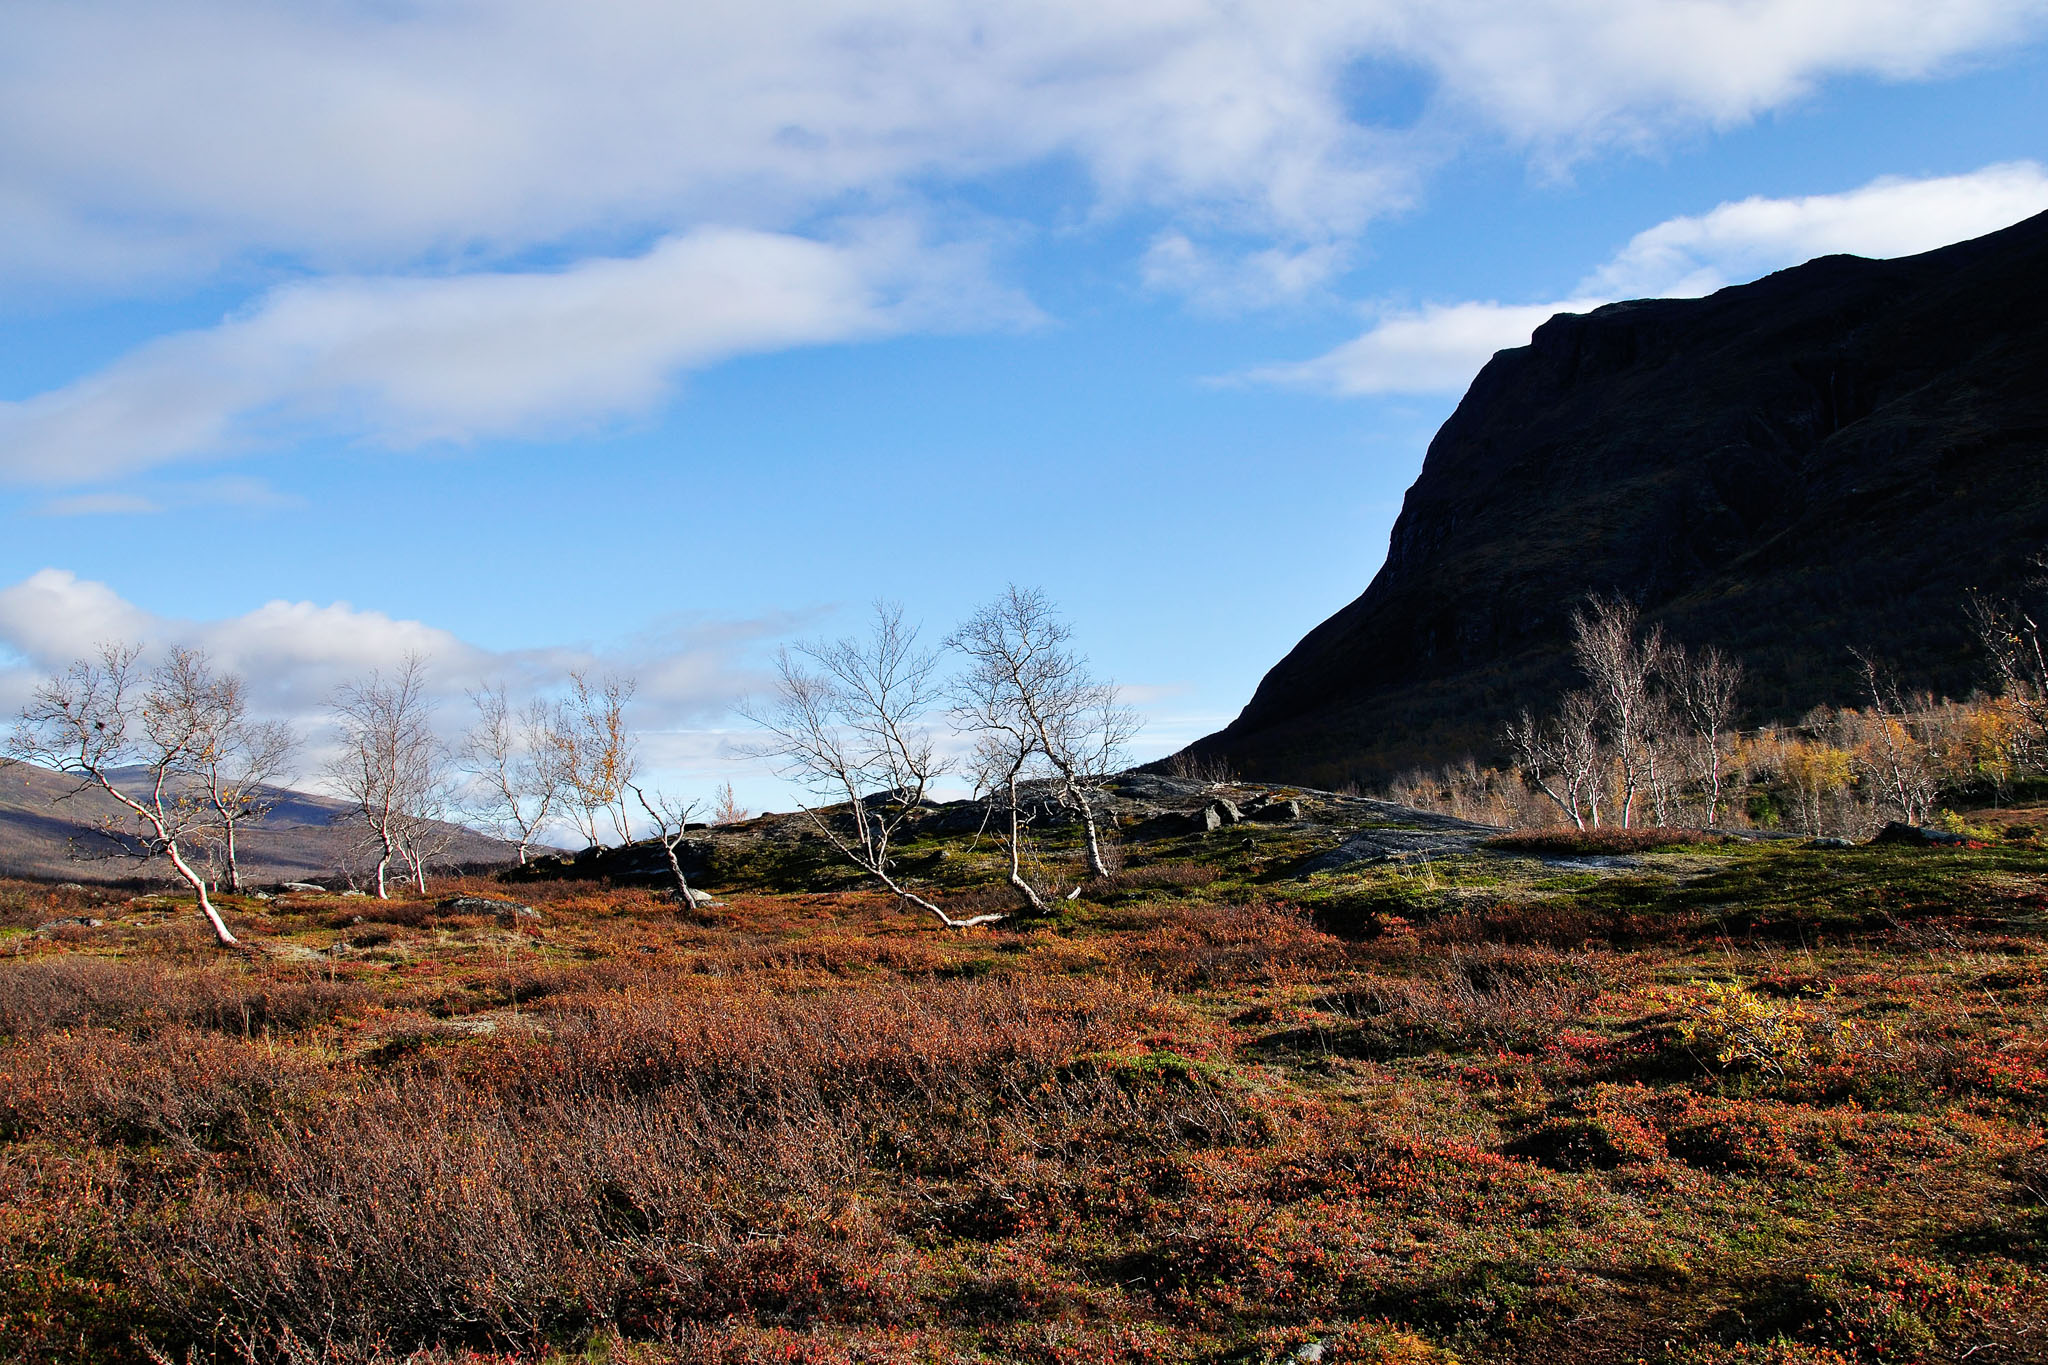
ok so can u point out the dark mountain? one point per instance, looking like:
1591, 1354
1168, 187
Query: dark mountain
1831, 456
46, 831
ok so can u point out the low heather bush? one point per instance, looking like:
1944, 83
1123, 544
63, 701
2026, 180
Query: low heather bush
44, 994
1490, 999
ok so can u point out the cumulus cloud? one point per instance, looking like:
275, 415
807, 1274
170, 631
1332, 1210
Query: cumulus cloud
1439, 347
370, 137
404, 362
294, 653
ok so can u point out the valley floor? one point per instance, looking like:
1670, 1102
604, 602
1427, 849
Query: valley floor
1713, 1104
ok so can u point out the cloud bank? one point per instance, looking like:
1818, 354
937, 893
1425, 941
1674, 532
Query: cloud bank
1438, 348
293, 654
139, 137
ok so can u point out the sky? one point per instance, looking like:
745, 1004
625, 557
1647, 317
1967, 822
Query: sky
646, 338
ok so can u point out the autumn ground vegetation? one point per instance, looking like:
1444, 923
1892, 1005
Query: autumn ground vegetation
1708, 1100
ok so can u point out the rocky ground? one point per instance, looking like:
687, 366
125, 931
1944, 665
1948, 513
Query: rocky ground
1297, 832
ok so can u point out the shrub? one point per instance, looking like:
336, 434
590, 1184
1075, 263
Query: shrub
1953, 823
1744, 1031
1362, 911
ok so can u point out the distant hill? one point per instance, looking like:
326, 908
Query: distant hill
1830, 456
303, 837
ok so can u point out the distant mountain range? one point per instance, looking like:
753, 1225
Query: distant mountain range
47, 832
1828, 457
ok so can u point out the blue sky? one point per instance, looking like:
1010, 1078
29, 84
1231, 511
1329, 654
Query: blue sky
648, 337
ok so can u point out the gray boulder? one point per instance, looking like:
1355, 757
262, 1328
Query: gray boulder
311, 887
1275, 812
506, 912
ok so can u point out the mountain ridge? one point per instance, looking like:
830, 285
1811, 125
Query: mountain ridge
1828, 456
44, 817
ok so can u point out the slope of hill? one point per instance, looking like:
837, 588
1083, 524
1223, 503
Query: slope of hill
1830, 456
46, 831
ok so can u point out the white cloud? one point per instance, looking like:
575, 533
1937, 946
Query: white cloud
1890, 217
1439, 347
1433, 349
430, 154
410, 361
1222, 283
368, 137
294, 653
247, 493
1570, 76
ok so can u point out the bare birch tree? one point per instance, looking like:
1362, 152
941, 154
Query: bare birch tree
671, 817
1621, 663
391, 766
2018, 655
427, 831
520, 762
238, 768
847, 721
1898, 760
1022, 667
102, 716
601, 755
987, 705
1562, 754
1704, 688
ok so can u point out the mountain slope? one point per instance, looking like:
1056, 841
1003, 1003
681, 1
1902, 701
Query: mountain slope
46, 831
1830, 456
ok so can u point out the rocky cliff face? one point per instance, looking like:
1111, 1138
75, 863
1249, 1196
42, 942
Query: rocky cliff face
1831, 456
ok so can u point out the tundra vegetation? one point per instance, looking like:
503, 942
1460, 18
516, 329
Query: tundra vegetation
1727, 1101
1319, 1078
